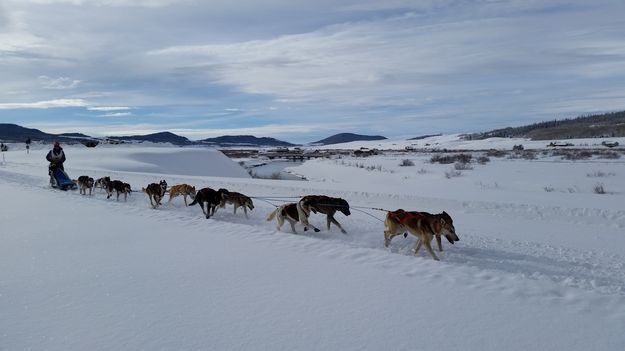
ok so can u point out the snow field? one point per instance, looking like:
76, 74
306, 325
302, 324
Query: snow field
543, 273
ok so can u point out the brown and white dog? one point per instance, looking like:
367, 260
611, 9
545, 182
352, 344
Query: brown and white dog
238, 200
181, 189
286, 212
423, 225
322, 204
156, 191
211, 197
85, 182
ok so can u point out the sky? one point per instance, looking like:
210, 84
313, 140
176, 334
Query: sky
302, 70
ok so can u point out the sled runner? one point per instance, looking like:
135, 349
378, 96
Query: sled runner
60, 180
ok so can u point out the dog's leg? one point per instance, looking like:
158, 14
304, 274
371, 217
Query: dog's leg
151, 203
245, 211
292, 222
440, 244
235, 208
206, 213
428, 246
331, 218
303, 218
418, 245
387, 238
184, 196
280, 221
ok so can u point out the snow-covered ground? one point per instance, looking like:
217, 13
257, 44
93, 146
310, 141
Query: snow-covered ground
540, 263
455, 142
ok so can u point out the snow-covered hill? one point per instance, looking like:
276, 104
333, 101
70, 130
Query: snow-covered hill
534, 269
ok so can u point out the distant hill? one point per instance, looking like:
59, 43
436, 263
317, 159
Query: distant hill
347, 137
15, 133
244, 140
162, 137
606, 125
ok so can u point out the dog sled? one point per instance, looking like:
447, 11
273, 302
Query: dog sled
60, 180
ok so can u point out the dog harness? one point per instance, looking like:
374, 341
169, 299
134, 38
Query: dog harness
400, 216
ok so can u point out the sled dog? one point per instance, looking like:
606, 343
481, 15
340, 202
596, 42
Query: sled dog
84, 183
101, 183
289, 213
238, 200
322, 204
119, 187
211, 197
423, 225
156, 191
181, 189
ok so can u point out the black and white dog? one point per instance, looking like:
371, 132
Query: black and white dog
211, 197
119, 187
156, 191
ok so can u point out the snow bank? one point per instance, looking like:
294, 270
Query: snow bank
138, 158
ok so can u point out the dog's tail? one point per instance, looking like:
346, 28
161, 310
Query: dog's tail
273, 214
193, 203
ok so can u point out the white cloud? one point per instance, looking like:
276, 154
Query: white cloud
108, 108
57, 103
58, 83
116, 114
113, 3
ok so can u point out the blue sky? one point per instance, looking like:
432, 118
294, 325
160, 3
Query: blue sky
302, 70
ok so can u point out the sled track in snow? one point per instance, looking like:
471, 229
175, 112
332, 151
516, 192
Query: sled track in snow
482, 257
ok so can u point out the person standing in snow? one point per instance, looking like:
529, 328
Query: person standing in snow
56, 157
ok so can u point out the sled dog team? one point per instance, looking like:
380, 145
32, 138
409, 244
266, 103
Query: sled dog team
425, 226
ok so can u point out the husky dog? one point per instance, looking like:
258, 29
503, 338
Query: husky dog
322, 204
156, 192
211, 197
84, 183
101, 182
287, 212
423, 225
238, 200
119, 187
182, 189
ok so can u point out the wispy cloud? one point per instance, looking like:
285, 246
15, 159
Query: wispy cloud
108, 108
116, 114
58, 103
59, 83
